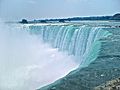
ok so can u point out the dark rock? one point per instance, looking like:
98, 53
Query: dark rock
110, 85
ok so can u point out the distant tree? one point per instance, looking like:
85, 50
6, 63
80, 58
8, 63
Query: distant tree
116, 16
24, 21
43, 21
62, 20
69, 19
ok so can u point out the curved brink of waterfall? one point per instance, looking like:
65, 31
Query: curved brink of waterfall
80, 41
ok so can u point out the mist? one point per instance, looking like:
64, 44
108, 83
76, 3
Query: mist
26, 62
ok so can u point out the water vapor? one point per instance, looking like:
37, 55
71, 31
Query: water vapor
27, 63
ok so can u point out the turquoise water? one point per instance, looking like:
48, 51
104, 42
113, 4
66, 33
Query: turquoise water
81, 41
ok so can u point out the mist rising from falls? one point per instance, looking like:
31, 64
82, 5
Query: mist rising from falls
27, 63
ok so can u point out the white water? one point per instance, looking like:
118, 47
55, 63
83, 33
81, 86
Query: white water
26, 63
79, 41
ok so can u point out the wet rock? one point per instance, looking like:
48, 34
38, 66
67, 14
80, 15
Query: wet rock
110, 85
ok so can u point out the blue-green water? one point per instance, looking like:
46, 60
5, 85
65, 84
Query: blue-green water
34, 55
81, 41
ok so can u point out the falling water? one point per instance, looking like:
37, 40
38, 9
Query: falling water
32, 56
81, 41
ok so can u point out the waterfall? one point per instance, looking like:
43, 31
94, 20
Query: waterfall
81, 41
32, 56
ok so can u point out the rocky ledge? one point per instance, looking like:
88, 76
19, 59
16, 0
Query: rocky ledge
110, 85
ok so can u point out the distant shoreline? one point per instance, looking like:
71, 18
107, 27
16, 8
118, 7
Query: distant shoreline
115, 17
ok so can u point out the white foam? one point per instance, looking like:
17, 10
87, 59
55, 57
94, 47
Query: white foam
26, 63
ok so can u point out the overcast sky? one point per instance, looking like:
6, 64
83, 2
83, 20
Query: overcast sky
36, 9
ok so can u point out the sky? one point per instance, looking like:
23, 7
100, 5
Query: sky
40, 9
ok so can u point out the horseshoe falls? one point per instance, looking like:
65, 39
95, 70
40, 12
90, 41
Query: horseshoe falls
69, 56
79, 41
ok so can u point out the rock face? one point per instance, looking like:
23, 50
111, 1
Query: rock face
106, 67
110, 85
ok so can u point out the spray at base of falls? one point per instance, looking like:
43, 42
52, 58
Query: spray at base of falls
27, 63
